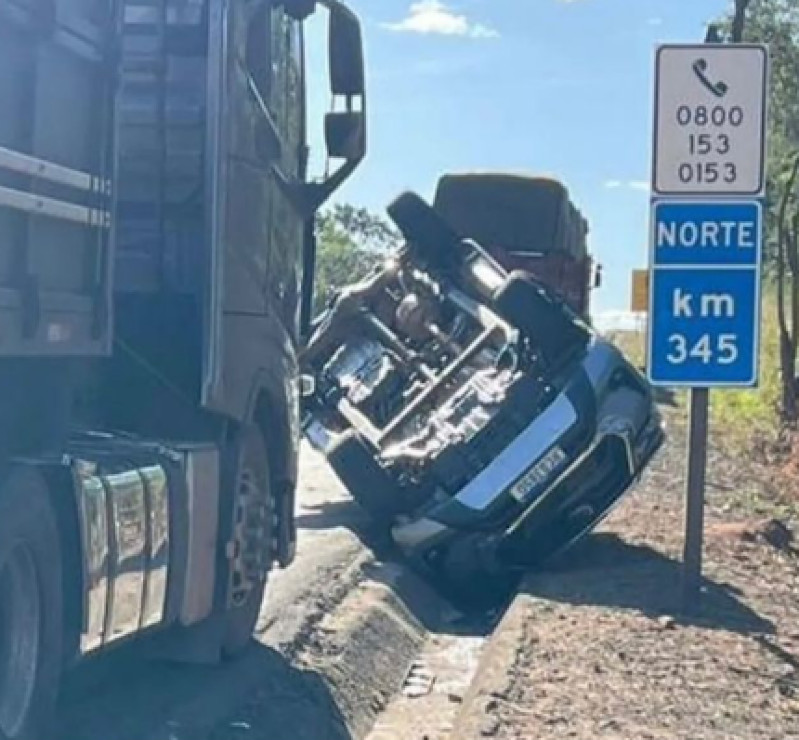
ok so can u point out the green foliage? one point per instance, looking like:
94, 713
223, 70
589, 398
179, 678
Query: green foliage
351, 242
746, 414
776, 23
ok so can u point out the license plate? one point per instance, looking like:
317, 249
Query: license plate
538, 475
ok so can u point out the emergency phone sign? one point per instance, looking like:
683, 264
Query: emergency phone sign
710, 120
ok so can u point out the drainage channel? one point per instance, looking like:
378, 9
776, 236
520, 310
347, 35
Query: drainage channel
433, 691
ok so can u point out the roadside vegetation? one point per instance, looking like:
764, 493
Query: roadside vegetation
350, 243
776, 23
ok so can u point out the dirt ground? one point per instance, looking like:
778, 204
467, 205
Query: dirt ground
599, 646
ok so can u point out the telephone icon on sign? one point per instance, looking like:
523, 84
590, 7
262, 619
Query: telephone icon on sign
719, 89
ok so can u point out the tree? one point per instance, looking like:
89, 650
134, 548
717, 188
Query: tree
776, 23
788, 282
351, 242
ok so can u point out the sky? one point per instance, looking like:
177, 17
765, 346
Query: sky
560, 88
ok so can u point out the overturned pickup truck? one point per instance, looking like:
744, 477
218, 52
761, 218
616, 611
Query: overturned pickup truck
470, 409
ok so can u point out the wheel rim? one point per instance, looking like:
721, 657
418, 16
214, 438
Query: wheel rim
20, 616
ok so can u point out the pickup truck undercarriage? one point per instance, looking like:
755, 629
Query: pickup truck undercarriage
470, 409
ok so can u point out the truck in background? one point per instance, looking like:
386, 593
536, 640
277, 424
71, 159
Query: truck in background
156, 268
528, 224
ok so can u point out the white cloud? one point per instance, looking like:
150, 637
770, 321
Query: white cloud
480, 31
655, 21
642, 185
434, 17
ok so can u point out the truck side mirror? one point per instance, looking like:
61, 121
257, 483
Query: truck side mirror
299, 9
345, 136
345, 130
598, 276
345, 50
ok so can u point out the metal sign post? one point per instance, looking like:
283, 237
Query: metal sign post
707, 178
695, 498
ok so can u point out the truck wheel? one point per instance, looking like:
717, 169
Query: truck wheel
30, 608
370, 485
240, 623
253, 509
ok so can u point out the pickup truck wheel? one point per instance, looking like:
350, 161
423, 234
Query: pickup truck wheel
550, 325
30, 608
253, 509
370, 485
425, 228
472, 577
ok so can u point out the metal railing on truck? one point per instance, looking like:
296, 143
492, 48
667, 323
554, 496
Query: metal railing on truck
58, 76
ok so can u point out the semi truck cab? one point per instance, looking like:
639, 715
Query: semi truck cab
156, 270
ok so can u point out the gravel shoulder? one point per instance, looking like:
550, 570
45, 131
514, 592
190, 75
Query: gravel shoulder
597, 646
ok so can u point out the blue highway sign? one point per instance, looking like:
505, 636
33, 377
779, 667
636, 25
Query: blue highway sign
705, 297
701, 233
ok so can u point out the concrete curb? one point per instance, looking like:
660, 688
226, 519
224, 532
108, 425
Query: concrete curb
492, 679
374, 639
364, 647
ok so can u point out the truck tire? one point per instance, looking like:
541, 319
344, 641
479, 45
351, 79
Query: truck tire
31, 607
370, 485
252, 479
240, 623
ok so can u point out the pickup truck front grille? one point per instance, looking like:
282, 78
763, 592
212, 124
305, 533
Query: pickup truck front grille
459, 464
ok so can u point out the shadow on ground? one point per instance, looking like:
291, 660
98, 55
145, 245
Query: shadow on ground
260, 696
604, 570
338, 513
665, 396
478, 601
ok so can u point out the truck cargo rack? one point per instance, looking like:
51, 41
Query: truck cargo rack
58, 64
41, 169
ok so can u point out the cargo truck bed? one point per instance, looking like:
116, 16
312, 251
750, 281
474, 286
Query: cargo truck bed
56, 96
